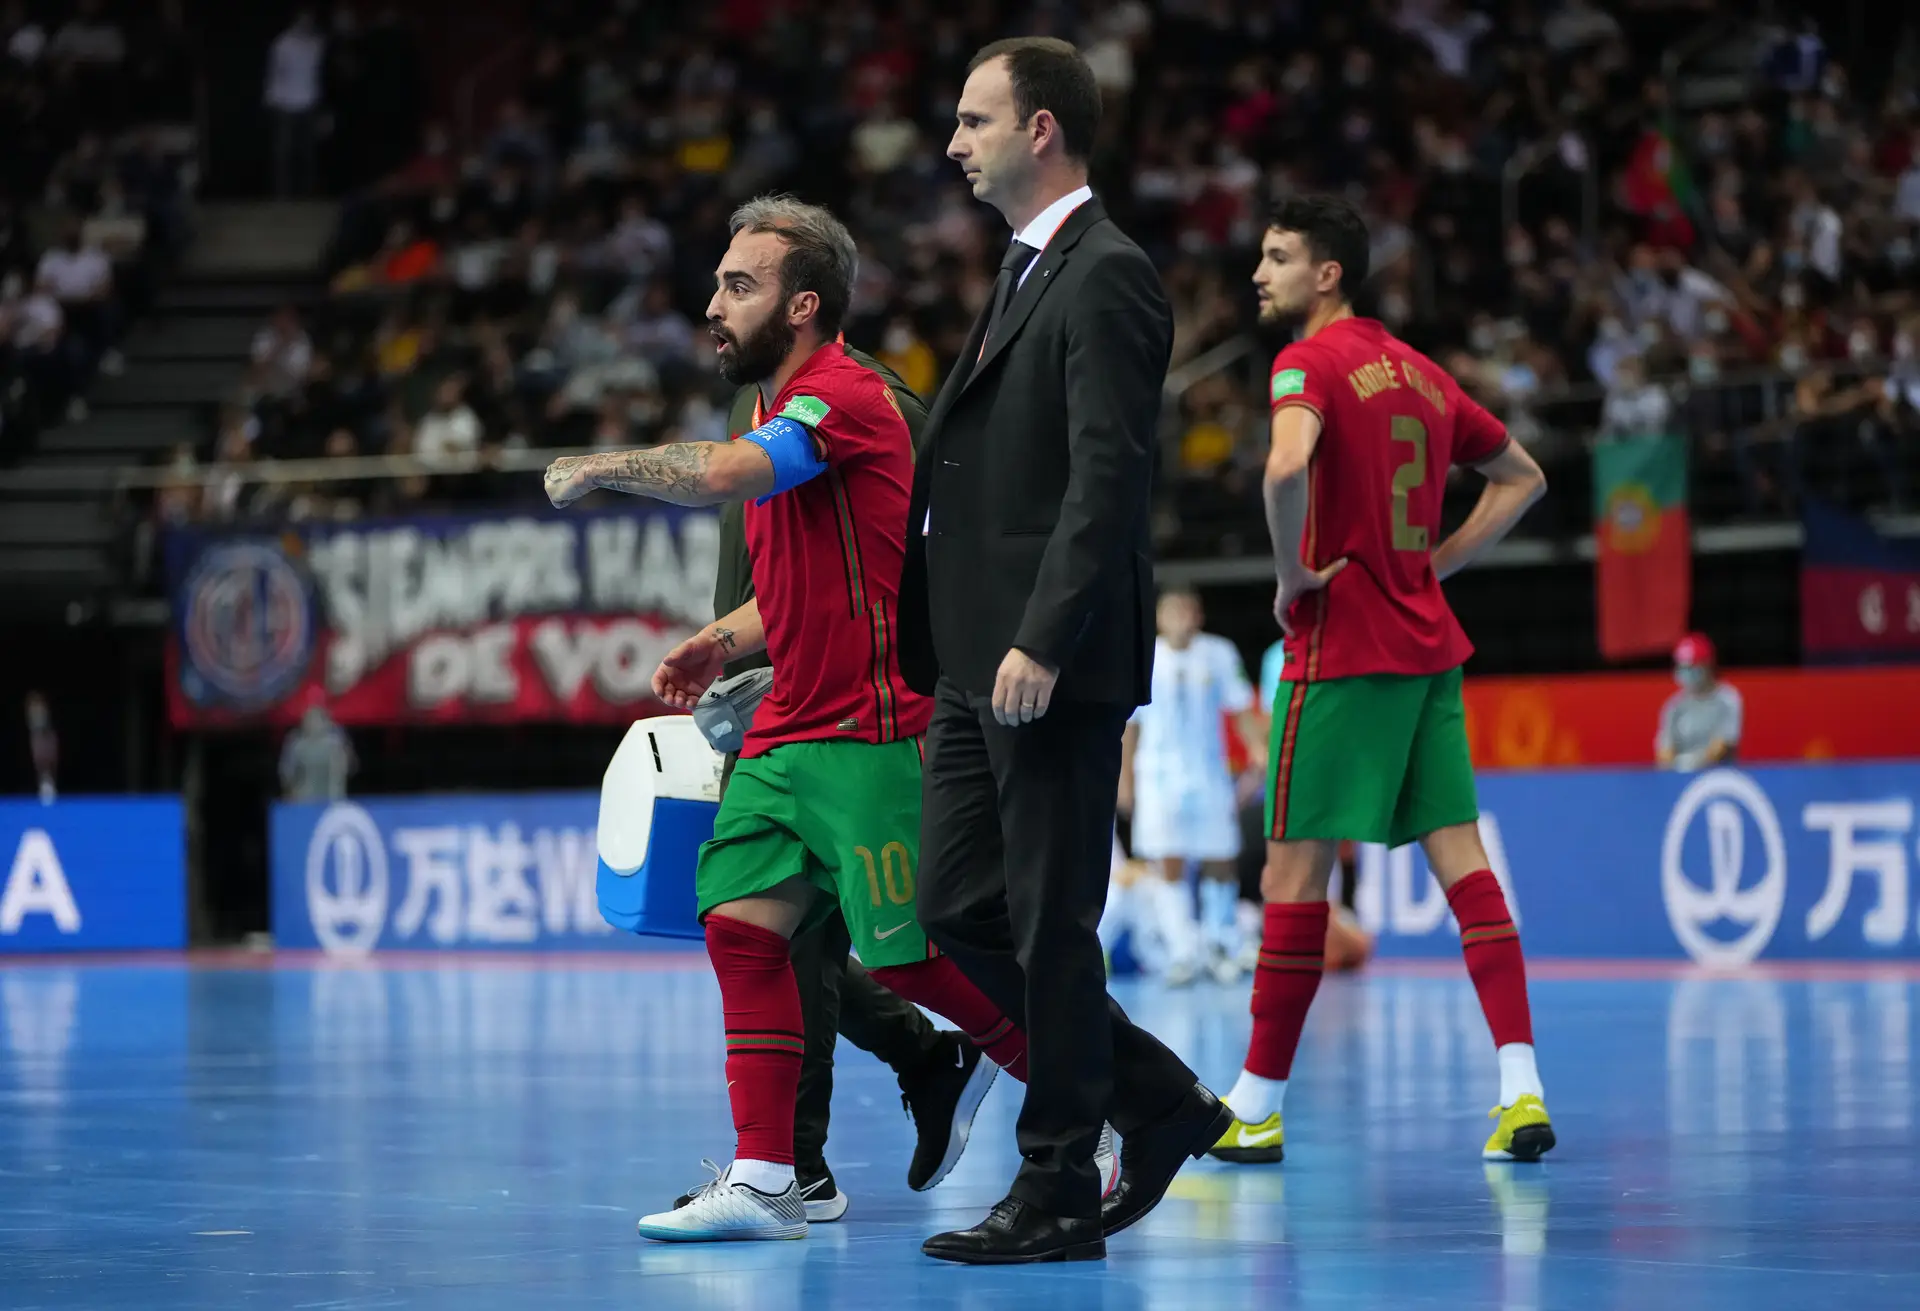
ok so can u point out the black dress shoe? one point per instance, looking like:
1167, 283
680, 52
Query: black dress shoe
1014, 1233
1151, 1157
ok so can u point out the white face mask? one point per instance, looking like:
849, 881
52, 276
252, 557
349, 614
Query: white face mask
1702, 368
1793, 357
898, 340
1715, 320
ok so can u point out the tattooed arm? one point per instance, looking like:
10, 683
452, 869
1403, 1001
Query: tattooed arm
690, 668
684, 473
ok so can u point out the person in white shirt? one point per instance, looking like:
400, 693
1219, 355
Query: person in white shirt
81, 277
448, 435
1700, 724
292, 98
1176, 784
282, 354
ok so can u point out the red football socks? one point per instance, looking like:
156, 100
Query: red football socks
1293, 953
765, 1035
1491, 945
941, 987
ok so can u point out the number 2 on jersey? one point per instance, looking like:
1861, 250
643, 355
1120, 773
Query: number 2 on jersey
1408, 536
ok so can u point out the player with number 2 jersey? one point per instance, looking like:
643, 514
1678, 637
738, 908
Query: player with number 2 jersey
1369, 729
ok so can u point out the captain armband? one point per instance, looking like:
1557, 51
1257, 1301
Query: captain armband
790, 445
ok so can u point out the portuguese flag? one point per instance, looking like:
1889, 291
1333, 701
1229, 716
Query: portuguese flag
1644, 584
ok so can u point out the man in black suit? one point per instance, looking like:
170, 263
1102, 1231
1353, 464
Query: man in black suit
1026, 609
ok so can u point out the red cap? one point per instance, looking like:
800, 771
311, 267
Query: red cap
1694, 649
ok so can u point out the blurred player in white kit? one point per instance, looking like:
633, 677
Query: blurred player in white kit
1176, 784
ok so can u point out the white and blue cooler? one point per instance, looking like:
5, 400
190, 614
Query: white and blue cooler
658, 800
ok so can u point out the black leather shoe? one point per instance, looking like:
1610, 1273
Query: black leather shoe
1014, 1233
1151, 1157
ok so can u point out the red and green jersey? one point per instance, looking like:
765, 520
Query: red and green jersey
826, 565
1392, 424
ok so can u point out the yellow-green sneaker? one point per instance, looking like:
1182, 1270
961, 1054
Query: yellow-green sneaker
1523, 1134
1252, 1144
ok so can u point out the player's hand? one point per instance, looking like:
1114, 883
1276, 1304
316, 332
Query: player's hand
1022, 690
689, 669
1294, 586
568, 479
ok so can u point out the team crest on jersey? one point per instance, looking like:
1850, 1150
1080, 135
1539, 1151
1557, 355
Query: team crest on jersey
810, 410
1289, 382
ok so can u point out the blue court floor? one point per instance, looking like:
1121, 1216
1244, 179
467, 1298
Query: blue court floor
482, 1135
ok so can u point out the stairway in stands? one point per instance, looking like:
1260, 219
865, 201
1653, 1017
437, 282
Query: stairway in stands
66, 523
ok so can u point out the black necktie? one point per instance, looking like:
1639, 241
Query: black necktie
1019, 255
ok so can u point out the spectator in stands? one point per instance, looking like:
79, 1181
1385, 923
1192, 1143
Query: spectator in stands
26, 38
293, 101
1635, 406
81, 277
282, 354
89, 38
448, 434
1700, 724
48, 355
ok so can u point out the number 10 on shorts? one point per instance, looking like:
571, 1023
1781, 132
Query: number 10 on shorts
895, 869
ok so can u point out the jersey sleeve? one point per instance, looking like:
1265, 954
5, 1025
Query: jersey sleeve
1301, 376
1237, 693
852, 414
1732, 715
1477, 435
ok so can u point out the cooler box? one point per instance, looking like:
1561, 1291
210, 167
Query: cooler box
657, 805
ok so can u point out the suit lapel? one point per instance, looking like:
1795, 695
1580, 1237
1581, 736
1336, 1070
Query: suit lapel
1039, 277
963, 370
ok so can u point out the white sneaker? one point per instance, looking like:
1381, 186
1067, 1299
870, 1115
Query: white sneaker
723, 1212
1107, 1161
1179, 973
1225, 967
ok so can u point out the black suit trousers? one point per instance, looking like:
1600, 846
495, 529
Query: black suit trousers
1015, 854
838, 997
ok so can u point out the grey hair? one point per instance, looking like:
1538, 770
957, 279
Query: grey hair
821, 257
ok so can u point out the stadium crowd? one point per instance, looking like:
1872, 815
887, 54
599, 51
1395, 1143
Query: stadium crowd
95, 179
1729, 252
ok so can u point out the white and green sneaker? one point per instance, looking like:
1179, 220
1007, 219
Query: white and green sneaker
722, 1211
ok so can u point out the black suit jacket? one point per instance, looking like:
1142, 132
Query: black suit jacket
1038, 466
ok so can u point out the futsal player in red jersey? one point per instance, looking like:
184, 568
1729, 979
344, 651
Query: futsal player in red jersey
1369, 729
825, 799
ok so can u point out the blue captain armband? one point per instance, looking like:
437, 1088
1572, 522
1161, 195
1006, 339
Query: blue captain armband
790, 445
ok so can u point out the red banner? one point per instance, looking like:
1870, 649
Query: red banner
1854, 612
456, 619
1610, 719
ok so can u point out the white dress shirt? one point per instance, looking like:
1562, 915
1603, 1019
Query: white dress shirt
1046, 223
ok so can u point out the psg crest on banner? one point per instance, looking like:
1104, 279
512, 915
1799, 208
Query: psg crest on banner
246, 626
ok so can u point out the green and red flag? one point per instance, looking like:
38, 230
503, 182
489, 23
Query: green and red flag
1644, 575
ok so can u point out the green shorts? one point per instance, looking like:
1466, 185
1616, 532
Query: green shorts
843, 815
1377, 758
